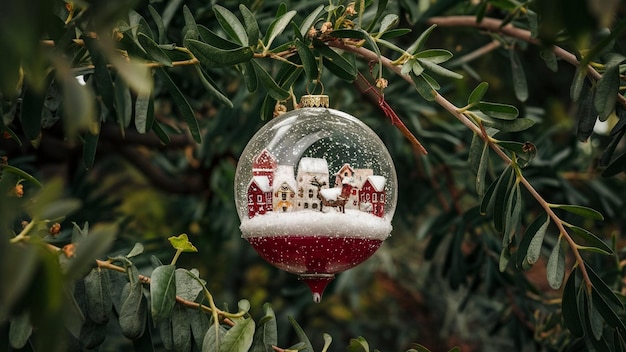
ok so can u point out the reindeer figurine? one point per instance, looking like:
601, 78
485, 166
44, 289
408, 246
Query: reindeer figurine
332, 197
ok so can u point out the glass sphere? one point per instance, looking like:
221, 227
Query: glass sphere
315, 191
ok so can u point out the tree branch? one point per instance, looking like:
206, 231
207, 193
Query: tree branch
455, 111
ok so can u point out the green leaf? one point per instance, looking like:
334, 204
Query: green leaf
380, 9
389, 21
277, 27
440, 70
21, 173
231, 25
478, 93
211, 38
182, 243
607, 89
90, 147
252, 27
590, 238
188, 285
519, 77
101, 75
499, 111
309, 20
191, 28
419, 42
393, 33
548, 55
123, 103
423, 88
239, 337
199, 325
308, 60
136, 74
358, 345
213, 338
517, 125
211, 86
587, 115
580, 210
482, 170
95, 244
181, 329
594, 318
154, 51
266, 334
143, 106
98, 296
159, 23
162, 292
182, 104
20, 330
211, 56
536, 232
486, 204
80, 114
618, 165
435, 56
512, 214
578, 82
137, 250
555, 269
273, 89
569, 305
606, 311
133, 312
252, 81
603, 289
301, 336
336, 63
505, 182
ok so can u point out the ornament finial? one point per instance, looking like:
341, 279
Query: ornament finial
314, 101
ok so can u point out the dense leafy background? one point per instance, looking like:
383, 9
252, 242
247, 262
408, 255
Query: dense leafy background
435, 280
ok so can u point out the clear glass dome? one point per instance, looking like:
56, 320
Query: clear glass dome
315, 191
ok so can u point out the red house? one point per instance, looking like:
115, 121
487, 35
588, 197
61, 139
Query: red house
373, 193
259, 196
264, 165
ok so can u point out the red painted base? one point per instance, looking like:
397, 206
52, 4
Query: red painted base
314, 258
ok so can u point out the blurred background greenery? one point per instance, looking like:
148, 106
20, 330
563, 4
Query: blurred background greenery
397, 297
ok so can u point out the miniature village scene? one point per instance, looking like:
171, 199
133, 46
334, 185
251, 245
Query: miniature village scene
314, 201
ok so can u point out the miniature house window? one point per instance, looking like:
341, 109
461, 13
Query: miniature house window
259, 198
306, 205
310, 193
284, 209
314, 206
250, 199
374, 197
284, 196
382, 197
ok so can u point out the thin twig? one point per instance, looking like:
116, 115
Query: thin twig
495, 25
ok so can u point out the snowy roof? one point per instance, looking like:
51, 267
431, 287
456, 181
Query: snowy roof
345, 166
284, 174
313, 165
330, 193
378, 182
263, 182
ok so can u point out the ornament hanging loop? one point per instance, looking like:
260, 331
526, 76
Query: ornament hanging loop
315, 84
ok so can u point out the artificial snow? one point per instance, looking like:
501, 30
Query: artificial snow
330, 193
352, 223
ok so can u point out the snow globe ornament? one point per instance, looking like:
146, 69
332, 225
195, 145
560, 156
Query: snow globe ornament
315, 191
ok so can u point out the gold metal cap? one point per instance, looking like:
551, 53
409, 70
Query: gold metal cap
314, 101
